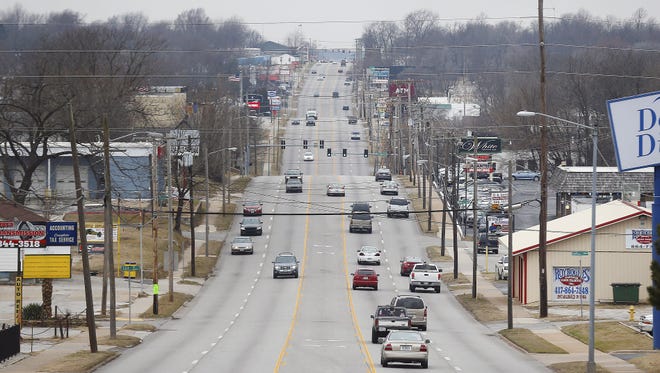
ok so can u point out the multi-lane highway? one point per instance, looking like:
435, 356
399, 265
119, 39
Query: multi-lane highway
243, 320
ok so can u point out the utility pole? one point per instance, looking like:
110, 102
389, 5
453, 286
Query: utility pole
80, 200
170, 249
108, 236
475, 222
543, 210
154, 222
192, 209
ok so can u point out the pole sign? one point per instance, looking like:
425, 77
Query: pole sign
484, 145
570, 284
635, 124
22, 234
61, 233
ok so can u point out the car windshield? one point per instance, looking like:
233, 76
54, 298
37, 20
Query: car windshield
412, 303
361, 216
294, 181
412, 259
400, 202
369, 249
250, 221
285, 259
425, 267
361, 207
251, 204
404, 336
365, 272
242, 239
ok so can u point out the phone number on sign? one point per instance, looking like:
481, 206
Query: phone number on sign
21, 243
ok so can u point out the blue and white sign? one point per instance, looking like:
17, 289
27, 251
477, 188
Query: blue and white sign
569, 284
61, 233
635, 124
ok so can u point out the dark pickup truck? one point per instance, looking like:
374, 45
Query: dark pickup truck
488, 241
388, 318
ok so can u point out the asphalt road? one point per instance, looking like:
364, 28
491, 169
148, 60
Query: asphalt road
243, 320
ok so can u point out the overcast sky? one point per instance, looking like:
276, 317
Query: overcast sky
335, 23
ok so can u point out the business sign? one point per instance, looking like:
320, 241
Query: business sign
96, 234
570, 284
402, 89
61, 233
185, 141
639, 239
498, 223
635, 124
47, 266
254, 105
484, 145
22, 234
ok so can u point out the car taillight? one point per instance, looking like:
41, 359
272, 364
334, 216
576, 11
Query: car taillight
425, 310
388, 347
438, 276
376, 323
412, 275
423, 348
409, 323
377, 254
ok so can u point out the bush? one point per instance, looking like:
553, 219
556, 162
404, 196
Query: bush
33, 311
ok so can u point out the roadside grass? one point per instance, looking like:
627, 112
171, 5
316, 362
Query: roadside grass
80, 362
460, 281
649, 362
417, 205
481, 308
434, 253
165, 307
530, 342
139, 327
610, 336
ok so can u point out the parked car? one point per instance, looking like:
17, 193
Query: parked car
368, 255
415, 308
242, 245
365, 278
388, 318
502, 267
335, 94
252, 208
405, 346
251, 226
407, 264
336, 190
646, 323
308, 156
383, 174
285, 264
316, 94
526, 175
389, 187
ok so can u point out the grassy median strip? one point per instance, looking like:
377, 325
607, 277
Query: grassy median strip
610, 336
165, 307
576, 367
80, 362
481, 308
434, 253
530, 342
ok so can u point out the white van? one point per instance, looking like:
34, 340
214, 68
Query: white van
312, 114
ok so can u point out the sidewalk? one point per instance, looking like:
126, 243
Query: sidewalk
524, 318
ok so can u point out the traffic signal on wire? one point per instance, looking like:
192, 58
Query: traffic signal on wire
329, 152
366, 153
282, 144
344, 152
304, 144
321, 144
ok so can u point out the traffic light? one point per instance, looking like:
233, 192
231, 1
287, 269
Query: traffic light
304, 144
321, 144
366, 153
329, 152
344, 152
282, 144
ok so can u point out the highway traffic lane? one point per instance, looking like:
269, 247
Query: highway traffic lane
323, 333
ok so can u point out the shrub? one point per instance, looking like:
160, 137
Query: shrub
33, 311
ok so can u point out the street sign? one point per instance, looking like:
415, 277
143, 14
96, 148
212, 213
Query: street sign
579, 253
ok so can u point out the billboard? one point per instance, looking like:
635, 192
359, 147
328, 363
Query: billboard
635, 122
570, 284
484, 145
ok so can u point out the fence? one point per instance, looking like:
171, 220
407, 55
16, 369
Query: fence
10, 341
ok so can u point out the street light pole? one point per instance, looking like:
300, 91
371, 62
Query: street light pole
591, 364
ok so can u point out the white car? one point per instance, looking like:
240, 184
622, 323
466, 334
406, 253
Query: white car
502, 267
646, 323
368, 255
336, 190
389, 187
308, 156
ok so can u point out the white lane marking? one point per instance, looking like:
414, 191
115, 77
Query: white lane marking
204, 352
458, 369
447, 358
194, 362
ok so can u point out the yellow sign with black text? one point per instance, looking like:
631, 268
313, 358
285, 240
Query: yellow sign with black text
47, 266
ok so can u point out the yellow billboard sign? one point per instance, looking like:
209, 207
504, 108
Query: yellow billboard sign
47, 266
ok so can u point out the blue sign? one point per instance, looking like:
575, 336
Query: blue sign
61, 233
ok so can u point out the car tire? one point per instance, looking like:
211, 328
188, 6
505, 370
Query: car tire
422, 328
374, 336
536, 178
354, 287
274, 275
425, 364
383, 362
411, 288
514, 178
389, 215
295, 275
376, 287
437, 289
406, 215
369, 231
499, 277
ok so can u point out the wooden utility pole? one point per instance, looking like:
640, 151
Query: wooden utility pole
543, 210
108, 252
89, 299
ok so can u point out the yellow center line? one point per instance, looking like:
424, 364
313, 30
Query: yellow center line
301, 270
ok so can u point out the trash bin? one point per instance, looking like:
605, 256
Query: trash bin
625, 292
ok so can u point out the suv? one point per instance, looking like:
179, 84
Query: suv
312, 114
415, 308
360, 218
398, 207
335, 94
293, 173
294, 186
383, 174
285, 264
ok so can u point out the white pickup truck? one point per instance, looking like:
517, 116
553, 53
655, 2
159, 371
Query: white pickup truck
425, 275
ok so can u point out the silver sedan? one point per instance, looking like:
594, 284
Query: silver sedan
242, 245
405, 346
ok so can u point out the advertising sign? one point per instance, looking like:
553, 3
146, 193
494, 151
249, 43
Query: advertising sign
96, 234
639, 239
47, 266
402, 89
22, 234
484, 145
62, 233
498, 223
635, 124
569, 284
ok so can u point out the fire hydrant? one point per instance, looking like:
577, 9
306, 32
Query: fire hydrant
631, 312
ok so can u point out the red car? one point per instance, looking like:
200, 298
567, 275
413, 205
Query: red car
408, 263
365, 278
252, 208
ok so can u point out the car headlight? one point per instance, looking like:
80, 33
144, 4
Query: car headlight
277, 268
294, 266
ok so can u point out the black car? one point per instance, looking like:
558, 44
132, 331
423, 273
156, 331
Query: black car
251, 227
310, 122
295, 122
345, 107
352, 120
285, 264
